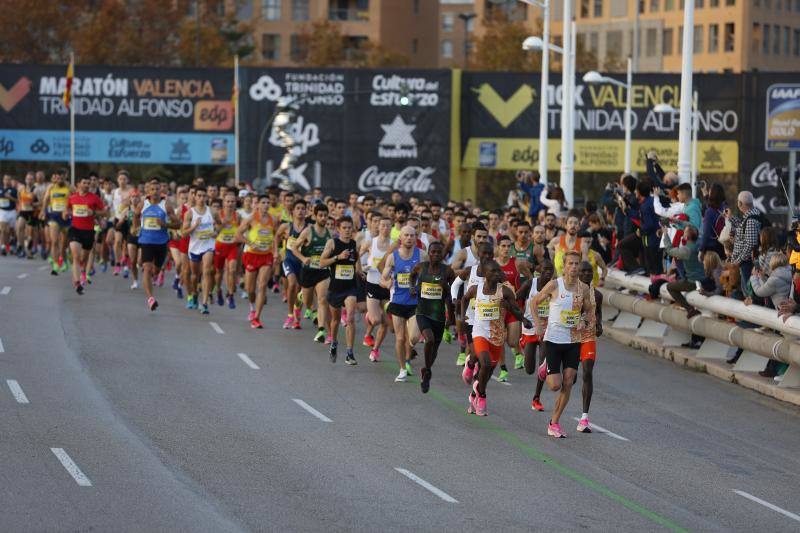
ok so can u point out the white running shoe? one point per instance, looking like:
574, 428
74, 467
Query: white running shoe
402, 377
134, 285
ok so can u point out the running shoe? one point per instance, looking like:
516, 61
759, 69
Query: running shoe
79, 288
126, 272
425, 380
554, 430
92, 272
243, 295
402, 377
536, 405
471, 400
89, 278
375, 356
296, 324
466, 374
104, 267
320, 336
332, 351
329, 339
220, 299
64, 267
462, 358
480, 406
256, 324
583, 426
231, 302
308, 314
160, 279
117, 270
287, 324
543, 371
251, 315
276, 289
447, 336
175, 284
503, 376
369, 341
519, 361
350, 359
180, 293
83, 278
204, 309
152, 303
53, 272
189, 303
408, 368
134, 285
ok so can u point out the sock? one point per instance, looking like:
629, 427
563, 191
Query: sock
585, 416
503, 367
252, 307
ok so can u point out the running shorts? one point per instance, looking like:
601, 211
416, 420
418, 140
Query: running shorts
56, 218
196, 258
28, 217
361, 291
124, 228
85, 237
336, 299
311, 277
154, 253
402, 311
8, 216
483, 345
255, 262
132, 239
224, 252
437, 327
183, 245
292, 266
561, 355
376, 292
524, 340
589, 350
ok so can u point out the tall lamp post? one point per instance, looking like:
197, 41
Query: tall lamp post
685, 127
466, 17
544, 43
595, 77
695, 126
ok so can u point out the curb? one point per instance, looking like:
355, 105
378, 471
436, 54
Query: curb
719, 369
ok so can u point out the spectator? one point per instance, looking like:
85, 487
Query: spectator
529, 183
552, 197
767, 249
712, 266
746, 235
601, 237
648, 230
691, 207
777, 285
713, 220
657, 175
693, 268
626, 219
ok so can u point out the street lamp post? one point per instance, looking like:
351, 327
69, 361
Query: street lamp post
543, 107
466, 17
595, 77
685, 127
695, 127
567, 107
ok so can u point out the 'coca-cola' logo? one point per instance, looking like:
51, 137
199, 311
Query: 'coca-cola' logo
411, 179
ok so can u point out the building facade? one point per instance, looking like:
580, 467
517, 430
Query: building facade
457, 20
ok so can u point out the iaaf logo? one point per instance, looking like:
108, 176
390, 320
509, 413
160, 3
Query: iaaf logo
397, 142
411, 179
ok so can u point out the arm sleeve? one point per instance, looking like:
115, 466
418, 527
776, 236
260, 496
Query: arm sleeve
455, 286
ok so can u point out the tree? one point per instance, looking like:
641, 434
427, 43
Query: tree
614, 62
35, 31
499, 48
322, 43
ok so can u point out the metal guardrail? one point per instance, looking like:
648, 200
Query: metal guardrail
652, 319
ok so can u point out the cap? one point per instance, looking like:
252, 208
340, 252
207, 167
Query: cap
243, 193
360, 199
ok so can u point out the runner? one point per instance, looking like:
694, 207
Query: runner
515, 270
55, 202
258, 234
176, 242
403, 305
8, 213
82, 206
435, 311
569, 300
341, 256
465, 259
593, 329
226, 250
119, 200
132, 238
314, 279
492, 300
377, 295
199, 224
287, 234
570, 241
27, 222
532, 337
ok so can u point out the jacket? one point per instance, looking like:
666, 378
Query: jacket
693, 210
691, 264
533, 191
777, 286
649, 223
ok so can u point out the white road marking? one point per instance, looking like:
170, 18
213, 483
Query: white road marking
2, 349
71, 467
249, 362
44, 267
16, 390
768, 505
311, 410
601, 429
216, 328
5, 290
22, 276
421, 482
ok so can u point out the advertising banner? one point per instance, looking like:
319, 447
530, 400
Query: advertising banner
367, 131
126, 115
783, 117
500, 122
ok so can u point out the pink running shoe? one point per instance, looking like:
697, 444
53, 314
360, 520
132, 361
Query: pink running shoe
329, 339
375, 356
251, 316
543, 371
583, 426
287, 324
83, 278
152, 304
116, 270
296, 323
369, 340
554, 430
471, 406
467, 374
480, 406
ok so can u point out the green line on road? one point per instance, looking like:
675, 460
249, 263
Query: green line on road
558, 467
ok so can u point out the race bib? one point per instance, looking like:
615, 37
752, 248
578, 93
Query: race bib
345, 272
404, 280
151, 223
290, 242
314, 263
487, 311
58, 205
376, 261
543, 310
81, 210
5, 202
205, 234
570, 319
431, 291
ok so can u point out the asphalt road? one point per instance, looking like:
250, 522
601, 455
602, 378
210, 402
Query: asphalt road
139, 421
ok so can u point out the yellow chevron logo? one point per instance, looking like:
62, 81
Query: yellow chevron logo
505, 111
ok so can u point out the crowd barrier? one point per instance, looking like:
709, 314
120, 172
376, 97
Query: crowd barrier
663, 321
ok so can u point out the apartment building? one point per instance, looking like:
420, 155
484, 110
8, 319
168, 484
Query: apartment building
456, 23
729, 35
405, 26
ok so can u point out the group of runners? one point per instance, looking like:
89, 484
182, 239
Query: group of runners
425, 272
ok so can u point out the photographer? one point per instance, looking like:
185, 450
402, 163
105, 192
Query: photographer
660, 179
626, 219
649, 228
529, 183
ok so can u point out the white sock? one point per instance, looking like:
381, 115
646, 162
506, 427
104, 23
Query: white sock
584, 416
252, 307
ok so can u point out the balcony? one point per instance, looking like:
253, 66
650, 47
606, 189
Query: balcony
348, 15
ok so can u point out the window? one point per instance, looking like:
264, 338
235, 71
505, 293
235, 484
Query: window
669, 5
698, 3
730, 3
594, 43
471, 25
298, 49
776, 39
448, 21
755, 39
271, 9
666, 42
585, 8
730, 35
653, 6
786, 41
244, 9
777, 5
713, 38
766, 38
299, 9
650, 42
271, 46
697, 45
447, 49
614, 43
713, 3
598, 8
796, 43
